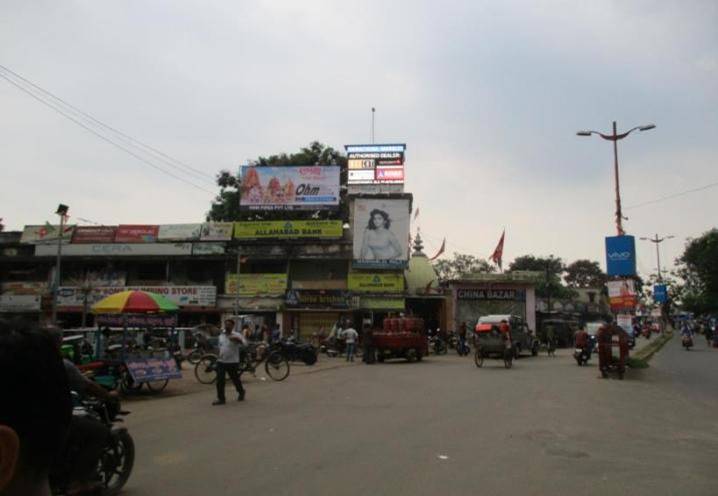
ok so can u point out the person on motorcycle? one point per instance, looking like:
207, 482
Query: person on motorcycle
35, 410
581, 339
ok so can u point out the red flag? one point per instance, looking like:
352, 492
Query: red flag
499, 251
441, 250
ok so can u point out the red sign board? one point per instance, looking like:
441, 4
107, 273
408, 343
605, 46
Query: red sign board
94, 234
127, 233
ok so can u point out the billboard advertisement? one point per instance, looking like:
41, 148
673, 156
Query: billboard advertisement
375, 164
256, 284
127, 233
216, 231
381, 233
622, 294
94, 234
288, 229
660, 293
179, 232
45, 234
290, 187
373, 282
621, 255
184, 296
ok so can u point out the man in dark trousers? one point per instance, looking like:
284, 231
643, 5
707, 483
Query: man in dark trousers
368, 344
228, 361
604, 336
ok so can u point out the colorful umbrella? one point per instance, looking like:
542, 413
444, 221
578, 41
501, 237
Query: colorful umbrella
134, 302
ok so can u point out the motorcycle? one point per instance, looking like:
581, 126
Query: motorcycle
298, 352
437, 345
687, 342
581, 355
118, 455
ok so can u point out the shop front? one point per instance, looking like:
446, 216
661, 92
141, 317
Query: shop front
310, 311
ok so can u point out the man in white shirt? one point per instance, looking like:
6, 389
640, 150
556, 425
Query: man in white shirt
228, 361
350, 336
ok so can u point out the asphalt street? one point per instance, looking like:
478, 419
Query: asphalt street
442, 426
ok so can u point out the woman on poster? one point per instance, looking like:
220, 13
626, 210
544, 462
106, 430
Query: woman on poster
378, 242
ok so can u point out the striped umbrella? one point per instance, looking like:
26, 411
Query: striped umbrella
134, 302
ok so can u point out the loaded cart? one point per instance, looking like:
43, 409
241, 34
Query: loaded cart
492, 342
401, 338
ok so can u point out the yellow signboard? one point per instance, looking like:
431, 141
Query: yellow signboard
288, 229
372, 303
256, 284
373, 282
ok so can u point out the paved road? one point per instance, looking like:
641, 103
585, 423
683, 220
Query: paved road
443, 427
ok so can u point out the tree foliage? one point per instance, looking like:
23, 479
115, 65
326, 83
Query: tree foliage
553, 269
225, 206
698, 267
584, 274
461, 265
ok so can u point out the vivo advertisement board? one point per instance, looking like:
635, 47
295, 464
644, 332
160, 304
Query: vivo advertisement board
660, 293
621, 255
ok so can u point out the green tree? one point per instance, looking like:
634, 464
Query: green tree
584, 274
461, 265
225, 206
553, 269
698, 267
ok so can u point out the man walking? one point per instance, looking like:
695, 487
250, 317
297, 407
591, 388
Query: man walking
368, 344
228, 361
350, 336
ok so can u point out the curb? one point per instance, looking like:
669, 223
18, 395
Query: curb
647, 352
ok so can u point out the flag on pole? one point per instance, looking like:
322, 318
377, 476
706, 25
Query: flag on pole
441, 250
416, 214
499, 251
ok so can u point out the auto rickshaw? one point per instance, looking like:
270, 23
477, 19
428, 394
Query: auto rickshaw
492, 342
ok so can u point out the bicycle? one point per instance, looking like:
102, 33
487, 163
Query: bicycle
276, 366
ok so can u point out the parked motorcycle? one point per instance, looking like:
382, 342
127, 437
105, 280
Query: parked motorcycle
437, 345
581, 355
298, 352
117, 459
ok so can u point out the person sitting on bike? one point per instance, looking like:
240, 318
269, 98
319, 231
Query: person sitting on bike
581, 339
35, 410
505, 331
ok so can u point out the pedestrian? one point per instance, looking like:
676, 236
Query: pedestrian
604, 336
350, 336
276, 334
228, 361
708, 333
463, 329
368, 344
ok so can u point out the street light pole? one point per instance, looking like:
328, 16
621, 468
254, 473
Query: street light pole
657, 241
615, 137
62, 212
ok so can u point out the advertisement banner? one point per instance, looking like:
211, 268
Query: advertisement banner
622, 294
127, 233
329, 298
381, 233
375, 164
256, 284
288, 229
290, 188
373, 303
204, 249
183, 296
179, 232
372, 282
621, 256
216, 231
24, 288
152, 369
94, 234
116, 250
20, 303
154, 320
625, 322
660, 293
46, 234
106, 278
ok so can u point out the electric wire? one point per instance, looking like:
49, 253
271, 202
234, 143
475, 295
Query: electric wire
674, 195
102, 137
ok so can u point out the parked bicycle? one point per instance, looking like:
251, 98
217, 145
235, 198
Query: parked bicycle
276, 365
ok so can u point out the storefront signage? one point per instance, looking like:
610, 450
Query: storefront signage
329, 298
491, 294
256, 284
46, 234
660, 293
290, 188
375, 164
23, 288
288, 229
127, 233
184, 296
216, 231
20, 303
179, 232
372, 282
621, 255
154, 320
208, 249
381, 233
622, 294
116, 250
373, 303
152, 369
94, 234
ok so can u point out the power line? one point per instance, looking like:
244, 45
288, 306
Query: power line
675, 195
102, 137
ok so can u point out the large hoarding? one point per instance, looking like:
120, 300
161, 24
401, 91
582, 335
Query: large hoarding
375, 164
46, 233
288, 229
622, 294
620, 255
179, 232
216, 231
134, 233
94, 234
381, 233
290, 187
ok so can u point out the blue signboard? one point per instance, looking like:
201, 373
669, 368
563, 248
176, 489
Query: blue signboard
660, 293
621, 255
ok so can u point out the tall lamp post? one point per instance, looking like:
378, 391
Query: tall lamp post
615, 137
657, 241
62, 212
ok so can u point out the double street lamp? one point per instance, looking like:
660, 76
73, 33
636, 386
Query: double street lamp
657, 241
615, 137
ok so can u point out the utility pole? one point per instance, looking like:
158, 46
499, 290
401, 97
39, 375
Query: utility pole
657, 241
62, 212
373, 111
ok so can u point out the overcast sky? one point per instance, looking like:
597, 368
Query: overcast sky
487, 96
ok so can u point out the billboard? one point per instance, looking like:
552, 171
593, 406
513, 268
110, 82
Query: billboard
375, 164
372, 282
622, 294
46, 233
381, 233
290, 187
94, 234
216, 231
127, 233
179, 232
621, 255
660, 293
288, 229
256, 284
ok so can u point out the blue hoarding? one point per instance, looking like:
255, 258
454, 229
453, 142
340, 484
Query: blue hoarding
660, 293
621, 255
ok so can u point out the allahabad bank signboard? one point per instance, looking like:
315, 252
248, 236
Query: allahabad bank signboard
288, 229
381, 233
290, 188
375, 164
376, 282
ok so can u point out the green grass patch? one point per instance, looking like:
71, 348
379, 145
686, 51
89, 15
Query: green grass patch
637, 363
